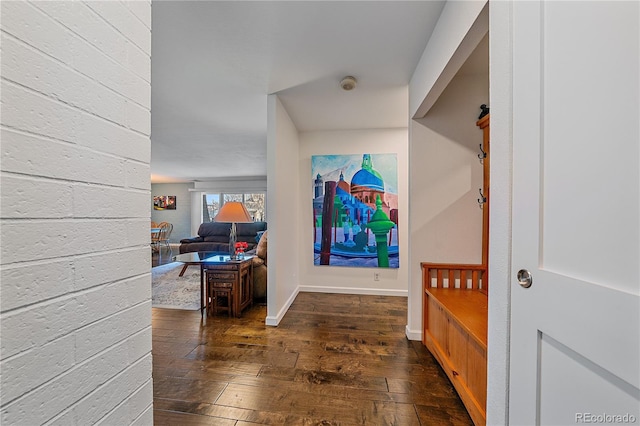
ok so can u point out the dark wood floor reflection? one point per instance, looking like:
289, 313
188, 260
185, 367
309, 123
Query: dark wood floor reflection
334, 359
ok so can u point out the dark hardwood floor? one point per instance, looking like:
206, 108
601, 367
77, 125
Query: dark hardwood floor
334, 359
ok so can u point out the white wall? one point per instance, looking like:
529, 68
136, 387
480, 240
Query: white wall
181, 216
333, 279
446, 174
283, 165
461, 27
75, 299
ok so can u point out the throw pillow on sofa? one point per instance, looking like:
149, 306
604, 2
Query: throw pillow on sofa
261, 250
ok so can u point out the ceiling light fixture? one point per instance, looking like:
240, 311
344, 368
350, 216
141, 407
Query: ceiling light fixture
348, 83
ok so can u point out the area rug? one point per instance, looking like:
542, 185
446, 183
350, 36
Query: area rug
168, 290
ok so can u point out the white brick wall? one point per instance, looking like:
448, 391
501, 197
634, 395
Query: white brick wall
75, 285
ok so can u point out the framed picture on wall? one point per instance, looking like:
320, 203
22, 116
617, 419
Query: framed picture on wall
355, 210
164, 202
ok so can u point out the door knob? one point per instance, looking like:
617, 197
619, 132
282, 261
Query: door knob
525, 279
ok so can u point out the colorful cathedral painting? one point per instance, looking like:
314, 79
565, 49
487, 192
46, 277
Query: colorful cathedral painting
355, 210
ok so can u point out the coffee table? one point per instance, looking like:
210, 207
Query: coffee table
195, 258
221, 261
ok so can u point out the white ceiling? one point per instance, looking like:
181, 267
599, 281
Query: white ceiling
213, 64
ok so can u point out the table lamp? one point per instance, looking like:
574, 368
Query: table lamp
233, 212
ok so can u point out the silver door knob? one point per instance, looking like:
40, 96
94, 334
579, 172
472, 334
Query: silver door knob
525, 279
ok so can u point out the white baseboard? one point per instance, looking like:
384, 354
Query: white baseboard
353, 290
413, 334
275, 320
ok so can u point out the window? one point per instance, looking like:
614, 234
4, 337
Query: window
255, 204
210, 206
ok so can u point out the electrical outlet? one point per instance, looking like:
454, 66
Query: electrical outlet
376, 276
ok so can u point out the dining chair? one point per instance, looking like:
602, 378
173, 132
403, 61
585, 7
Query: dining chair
165, 232
155, 236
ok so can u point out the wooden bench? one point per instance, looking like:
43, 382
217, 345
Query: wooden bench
455, 329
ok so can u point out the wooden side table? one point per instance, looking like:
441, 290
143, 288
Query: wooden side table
236, 277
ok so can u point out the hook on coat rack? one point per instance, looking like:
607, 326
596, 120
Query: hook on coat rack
482, 200
482, 155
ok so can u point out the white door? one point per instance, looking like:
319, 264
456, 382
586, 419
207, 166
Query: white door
575, 332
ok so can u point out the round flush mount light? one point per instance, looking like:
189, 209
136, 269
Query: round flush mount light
348, 83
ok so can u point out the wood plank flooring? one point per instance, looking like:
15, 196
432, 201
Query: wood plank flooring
335, 359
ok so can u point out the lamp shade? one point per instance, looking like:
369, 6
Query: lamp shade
233, 212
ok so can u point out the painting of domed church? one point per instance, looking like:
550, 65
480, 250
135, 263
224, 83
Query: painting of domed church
355, 210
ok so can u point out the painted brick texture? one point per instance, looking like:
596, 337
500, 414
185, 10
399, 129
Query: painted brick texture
75, 283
